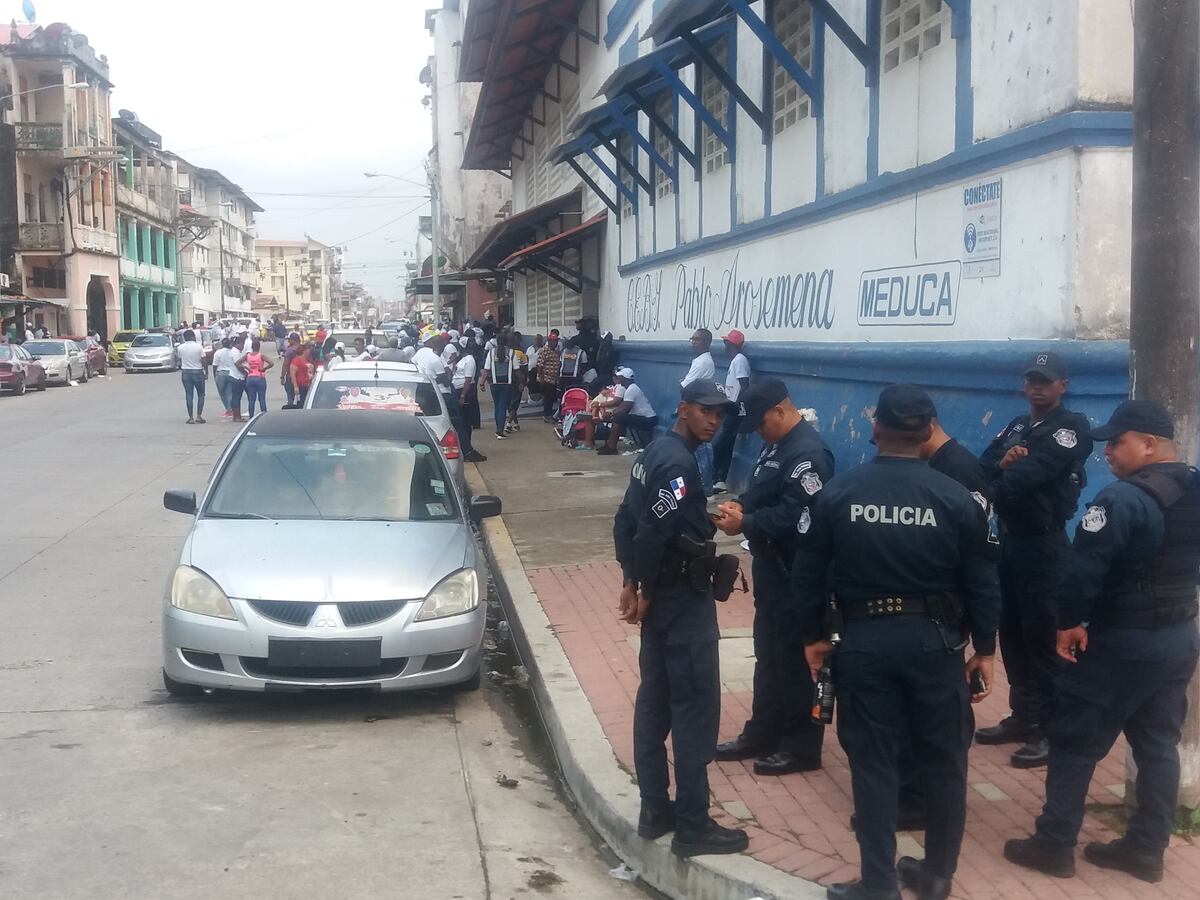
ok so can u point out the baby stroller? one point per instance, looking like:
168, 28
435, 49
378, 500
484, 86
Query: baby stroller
573, 407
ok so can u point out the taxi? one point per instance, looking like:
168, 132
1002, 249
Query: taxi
119, 344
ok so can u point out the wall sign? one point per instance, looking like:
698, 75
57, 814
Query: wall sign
910, 295
981, 214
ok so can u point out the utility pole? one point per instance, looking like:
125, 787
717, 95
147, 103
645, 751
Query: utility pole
435, 204
1164, 302
221, 254
287, 302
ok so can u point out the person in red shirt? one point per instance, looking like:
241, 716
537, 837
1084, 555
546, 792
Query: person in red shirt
302, 373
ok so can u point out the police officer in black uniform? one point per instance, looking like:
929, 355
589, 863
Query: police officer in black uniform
775, 514
912, 579
1036, 470
663, 537
1127, 625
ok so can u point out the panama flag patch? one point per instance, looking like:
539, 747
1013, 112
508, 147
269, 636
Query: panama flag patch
678, 488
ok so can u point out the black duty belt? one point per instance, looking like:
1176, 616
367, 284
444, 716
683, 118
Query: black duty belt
930, 606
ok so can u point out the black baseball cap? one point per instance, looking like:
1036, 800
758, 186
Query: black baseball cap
904, 407
753, 403
705, 392
1144, 416
1048, 365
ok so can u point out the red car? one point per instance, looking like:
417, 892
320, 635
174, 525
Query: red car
19, 370
94, 353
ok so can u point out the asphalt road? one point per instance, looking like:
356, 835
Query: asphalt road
109, 788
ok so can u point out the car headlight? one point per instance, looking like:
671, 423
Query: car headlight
454, 594
195, 592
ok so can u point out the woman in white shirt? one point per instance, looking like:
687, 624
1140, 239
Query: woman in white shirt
222, 361
191, 373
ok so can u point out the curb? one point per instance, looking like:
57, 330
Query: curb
606, 794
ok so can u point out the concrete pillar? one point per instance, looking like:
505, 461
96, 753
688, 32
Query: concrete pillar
144, 233
131, 240
159, 247
169, 259
134, 300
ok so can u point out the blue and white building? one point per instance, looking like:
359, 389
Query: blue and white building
871, 190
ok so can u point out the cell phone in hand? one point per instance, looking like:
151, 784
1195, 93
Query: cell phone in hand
978, 686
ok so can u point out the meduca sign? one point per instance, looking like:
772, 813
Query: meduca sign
697, 297
910, 295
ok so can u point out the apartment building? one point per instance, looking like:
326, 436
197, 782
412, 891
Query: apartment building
58, 215
147, 210
302, 277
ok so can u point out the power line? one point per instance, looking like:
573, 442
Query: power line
403, 215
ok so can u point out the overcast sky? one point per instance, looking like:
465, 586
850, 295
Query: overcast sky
284, 98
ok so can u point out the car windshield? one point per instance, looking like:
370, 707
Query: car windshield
46, 348
365, 392
152, 340
330, 478
124, 337
5, 352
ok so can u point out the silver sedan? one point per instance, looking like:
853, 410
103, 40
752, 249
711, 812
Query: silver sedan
328, 551
151, 353
63, 360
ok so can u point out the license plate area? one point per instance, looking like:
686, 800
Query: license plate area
335, 653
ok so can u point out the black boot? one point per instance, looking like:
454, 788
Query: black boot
1011, 730
784, 762
1125, 856
713, 839
741, 747
927, 885
1034, 853
1033, 755
656, 820
854, 890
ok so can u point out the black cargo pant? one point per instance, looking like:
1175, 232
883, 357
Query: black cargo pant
896, 685
680, 695
1030, 576
781, 711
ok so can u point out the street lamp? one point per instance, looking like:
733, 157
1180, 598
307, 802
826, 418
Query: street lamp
78, 85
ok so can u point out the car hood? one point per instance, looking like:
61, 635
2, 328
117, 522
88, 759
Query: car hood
327, 561
150, 351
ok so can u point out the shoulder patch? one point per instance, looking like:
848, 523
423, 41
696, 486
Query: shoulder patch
800, 470
811, 482
668, 498
805, 521
772, 464
639, 472
1094, 519
660, 509
1065, 437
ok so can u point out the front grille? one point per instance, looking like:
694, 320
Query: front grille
290, 612
369, 611
210, 661
260, 668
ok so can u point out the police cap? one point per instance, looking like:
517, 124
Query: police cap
762, 395
904, 407
1144, 416
1047, 365
705, 392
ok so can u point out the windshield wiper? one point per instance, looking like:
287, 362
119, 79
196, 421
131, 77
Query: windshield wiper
244, 515
367, 519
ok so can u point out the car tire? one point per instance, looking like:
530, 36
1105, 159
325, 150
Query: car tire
471, 684
84, 377
179, 689
19, 390
43, 382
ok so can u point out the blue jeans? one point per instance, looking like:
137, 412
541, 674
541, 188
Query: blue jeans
501, 397
722, 448
235, 386
193, 390
256, 389
223, 389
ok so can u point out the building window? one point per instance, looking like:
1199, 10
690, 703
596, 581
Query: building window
716, 100
49, 278
911, 27
625, 149
794, 28
664, 106
30, 208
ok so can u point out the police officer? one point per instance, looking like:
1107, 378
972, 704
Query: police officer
912, 579
792, 468
663, 534
1127, 626
1035, 466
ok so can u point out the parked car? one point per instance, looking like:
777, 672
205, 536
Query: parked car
151, 353
393, 387
19, 371
62, 359
118, 345
393, 599
97, 359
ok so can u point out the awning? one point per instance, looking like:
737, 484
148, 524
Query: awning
678, 16
35, 302
643, 73
448, 281
547, 256
522, 45
527, 227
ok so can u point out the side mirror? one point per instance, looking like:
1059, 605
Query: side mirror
34, 357
180, 501
484, 506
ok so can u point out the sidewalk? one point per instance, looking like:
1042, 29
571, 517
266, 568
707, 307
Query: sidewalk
552, 554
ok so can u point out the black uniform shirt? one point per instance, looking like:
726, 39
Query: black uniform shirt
894, 527
1036, 493
665, 498
777, 507
956, 461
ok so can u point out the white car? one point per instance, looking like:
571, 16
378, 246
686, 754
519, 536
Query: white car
64, 361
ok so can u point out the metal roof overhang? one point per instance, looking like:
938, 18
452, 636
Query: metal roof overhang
450, 281
523, 228
643, 74
547, 256
523, 47
478, 33
678, 16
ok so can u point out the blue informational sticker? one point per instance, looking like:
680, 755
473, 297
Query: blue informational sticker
421, 448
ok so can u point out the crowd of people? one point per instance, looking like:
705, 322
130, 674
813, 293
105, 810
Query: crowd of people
870, 583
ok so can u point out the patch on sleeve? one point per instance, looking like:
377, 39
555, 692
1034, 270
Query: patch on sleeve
1065, 437
805, 521
811, 482
800, 470
666, 503
980, 499
678, 488
1094, 519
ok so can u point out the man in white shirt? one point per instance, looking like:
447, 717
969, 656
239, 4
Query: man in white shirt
193, 375
702, 361
737, 379
29, 331
428, 361
633, 413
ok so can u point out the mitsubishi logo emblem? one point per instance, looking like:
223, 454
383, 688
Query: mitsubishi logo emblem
326, 617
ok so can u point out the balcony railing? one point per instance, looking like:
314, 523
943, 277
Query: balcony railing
40, 236
39, 136
131, 198
96, 240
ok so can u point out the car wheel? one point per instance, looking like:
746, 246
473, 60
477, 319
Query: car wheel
84, 377
179, 689
471, 684
42, 383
